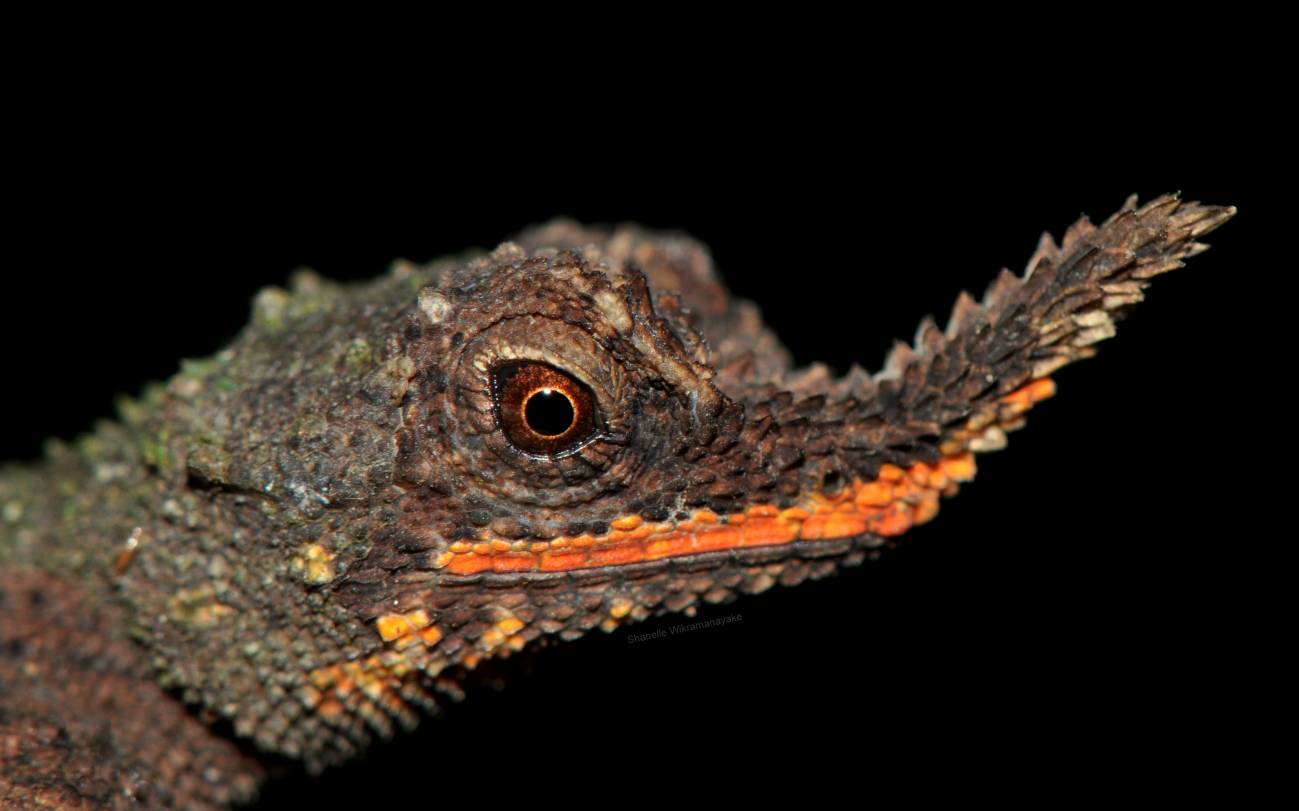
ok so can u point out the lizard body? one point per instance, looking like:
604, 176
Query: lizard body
330, 525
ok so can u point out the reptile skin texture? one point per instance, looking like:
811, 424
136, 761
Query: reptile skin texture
307, 541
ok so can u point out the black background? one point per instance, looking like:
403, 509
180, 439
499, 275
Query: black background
1084, 589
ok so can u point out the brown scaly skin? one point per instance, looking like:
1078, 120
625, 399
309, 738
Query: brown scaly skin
324, 528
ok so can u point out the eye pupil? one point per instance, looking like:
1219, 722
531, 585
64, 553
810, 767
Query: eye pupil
549, 412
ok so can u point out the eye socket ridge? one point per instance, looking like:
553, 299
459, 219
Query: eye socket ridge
542, 410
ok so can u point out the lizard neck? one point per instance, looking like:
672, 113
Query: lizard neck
73, 513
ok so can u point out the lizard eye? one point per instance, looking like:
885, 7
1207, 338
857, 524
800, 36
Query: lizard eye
541, 410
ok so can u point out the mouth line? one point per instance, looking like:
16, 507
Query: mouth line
887, 506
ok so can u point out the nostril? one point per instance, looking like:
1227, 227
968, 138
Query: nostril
832, 483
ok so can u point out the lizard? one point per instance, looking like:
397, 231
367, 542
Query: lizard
305, 542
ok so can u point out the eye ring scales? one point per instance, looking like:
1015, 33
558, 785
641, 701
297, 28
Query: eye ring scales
541, 410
